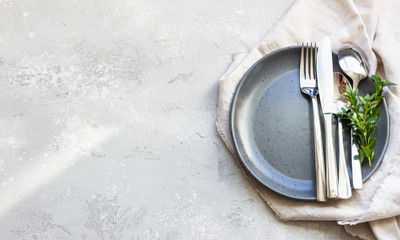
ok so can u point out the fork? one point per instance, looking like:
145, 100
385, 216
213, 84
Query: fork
308, 85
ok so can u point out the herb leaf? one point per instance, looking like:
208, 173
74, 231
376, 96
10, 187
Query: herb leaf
363, 115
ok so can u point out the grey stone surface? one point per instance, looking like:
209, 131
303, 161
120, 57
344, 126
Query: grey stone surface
107, 122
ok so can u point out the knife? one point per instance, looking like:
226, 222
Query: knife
325, 88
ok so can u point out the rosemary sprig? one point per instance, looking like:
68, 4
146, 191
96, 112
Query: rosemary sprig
363, 113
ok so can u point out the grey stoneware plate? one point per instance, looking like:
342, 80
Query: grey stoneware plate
272, 126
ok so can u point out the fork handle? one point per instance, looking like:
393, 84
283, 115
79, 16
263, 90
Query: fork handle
319, 154
330, 158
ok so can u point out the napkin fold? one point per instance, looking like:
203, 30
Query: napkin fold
373, 212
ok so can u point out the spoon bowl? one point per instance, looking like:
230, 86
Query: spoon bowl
340, 82
352, 61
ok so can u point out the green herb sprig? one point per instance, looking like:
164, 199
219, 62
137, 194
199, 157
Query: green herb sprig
363, 113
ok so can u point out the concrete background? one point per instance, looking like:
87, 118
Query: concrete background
107, 122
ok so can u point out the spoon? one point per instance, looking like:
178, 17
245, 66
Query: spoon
353, 62
339, 85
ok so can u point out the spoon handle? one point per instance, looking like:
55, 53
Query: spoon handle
344, 181
330, 158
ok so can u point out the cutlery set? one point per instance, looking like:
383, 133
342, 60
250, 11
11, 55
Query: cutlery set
318, 78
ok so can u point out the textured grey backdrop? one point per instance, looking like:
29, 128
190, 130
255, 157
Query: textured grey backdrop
107, 122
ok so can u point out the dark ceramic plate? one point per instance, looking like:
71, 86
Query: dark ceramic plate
272, 126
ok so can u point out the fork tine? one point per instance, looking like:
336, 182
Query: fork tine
307, 68
311, 62
302, 62
315, 59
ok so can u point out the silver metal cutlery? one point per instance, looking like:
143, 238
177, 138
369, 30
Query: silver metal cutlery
308, 85
325, 88
353, 62
340, 83
317, 78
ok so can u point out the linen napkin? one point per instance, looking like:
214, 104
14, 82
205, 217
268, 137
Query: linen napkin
374, 211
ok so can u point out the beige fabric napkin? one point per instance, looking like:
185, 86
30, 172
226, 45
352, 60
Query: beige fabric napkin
373, 212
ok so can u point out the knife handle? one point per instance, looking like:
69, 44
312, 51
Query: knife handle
355, 164
330, 158
319, 154
344, 180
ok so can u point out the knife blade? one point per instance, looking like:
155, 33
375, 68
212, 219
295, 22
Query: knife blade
325, 88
